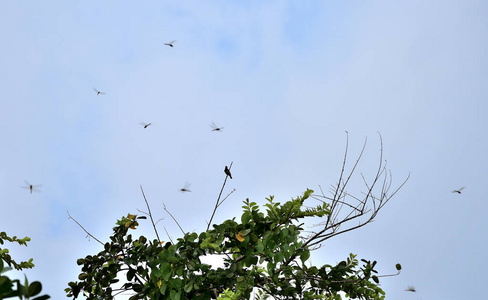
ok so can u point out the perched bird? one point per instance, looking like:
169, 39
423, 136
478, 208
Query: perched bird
98, 92
215, 128
227, 172
170, 43
31, 188
458, 191
410, 289
144, 124
186, 187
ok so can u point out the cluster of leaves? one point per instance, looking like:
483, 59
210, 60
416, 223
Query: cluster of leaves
13, 288
263, 253
5, 256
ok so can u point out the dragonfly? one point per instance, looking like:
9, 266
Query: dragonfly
410, 289
32, 187
170, 43
98, 92
186, 187
458, 190
215, 127
144, 124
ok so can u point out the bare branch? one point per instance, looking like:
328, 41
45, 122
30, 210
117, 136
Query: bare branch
218, 202
164, 206
150, 215
89, 234
345, 207
168, 235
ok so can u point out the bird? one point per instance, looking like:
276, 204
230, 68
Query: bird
215, 128
170, 43
410, 289
31, 187
227, 172
98, 92
458, 190
186, 187
144, 124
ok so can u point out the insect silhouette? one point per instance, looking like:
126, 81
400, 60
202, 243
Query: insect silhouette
98, 92
144, 124
170, 43
458, 190
215, 128
227, 172
32, 187
186, 187
410, 289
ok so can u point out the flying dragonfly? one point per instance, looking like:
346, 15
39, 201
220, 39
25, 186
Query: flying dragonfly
410, 289
458, 190
170, 43
32, 187
98, 92
144, 124
186, 187
215, 128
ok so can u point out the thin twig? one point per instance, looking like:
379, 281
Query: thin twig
150, 215
168, 235
218, 199
70, 217
164, 206
222, 201
338, 201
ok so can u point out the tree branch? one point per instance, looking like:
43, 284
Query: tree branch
150, 215
218, 202
70, 217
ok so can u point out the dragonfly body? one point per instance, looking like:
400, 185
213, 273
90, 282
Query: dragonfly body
31, 187
170, 43
186, 187
215, 127
144, 124
98, 92
458, 190
410, 289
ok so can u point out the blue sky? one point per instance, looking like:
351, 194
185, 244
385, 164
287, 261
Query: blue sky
285, 79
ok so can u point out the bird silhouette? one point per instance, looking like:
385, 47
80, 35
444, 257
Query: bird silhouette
215, 128
186, 187
31, 187
227, 172
144, 124
410, 289
98, 92
170, 43
458, 190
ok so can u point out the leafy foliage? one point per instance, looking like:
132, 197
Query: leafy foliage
264, 253
13, 288
4, 253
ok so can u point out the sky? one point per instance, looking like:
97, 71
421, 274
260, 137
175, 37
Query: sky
285, 79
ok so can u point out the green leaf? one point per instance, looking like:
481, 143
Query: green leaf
245, 217
304, 256
260, 247
188, 287
34, 288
